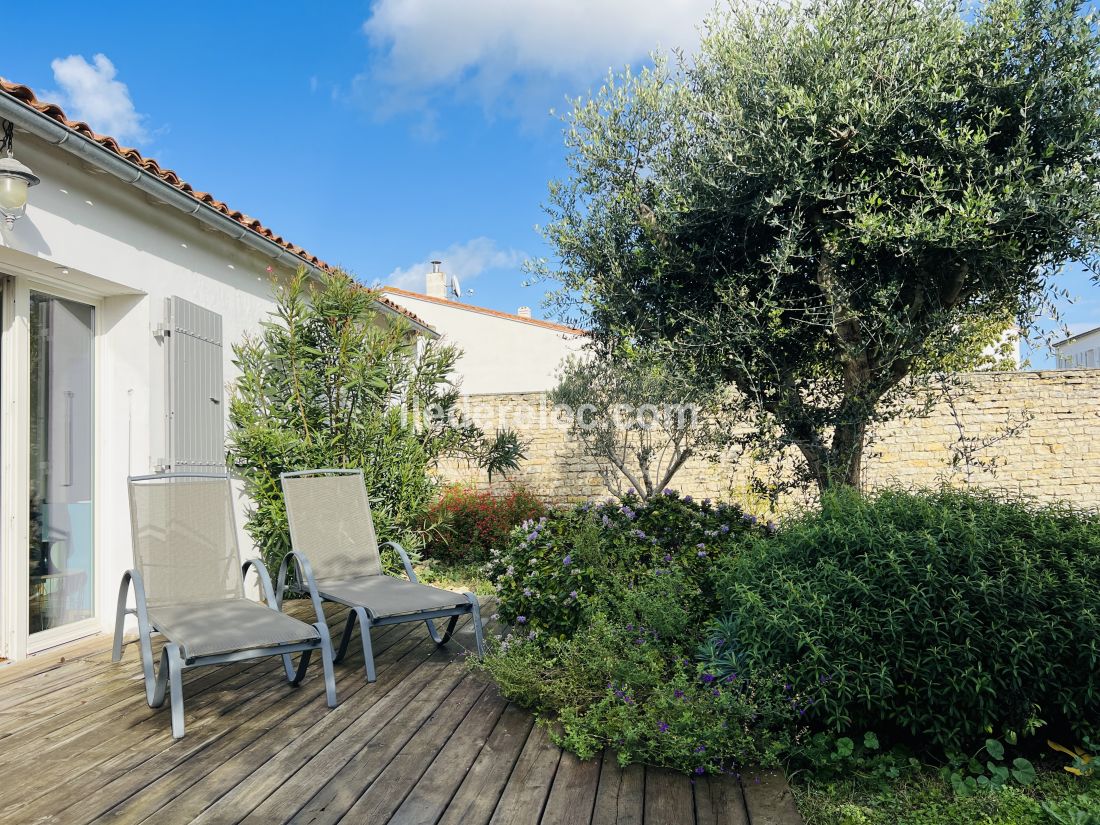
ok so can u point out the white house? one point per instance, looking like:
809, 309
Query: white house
502, 352
122, 291
1079, 351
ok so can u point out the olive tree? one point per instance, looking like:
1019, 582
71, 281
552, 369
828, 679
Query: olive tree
823, 204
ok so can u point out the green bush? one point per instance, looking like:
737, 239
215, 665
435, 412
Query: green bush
331, 383
558, 569
622, 687
941, 615
466, 524
609, 606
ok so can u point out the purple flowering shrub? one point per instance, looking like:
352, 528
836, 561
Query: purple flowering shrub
609, 606
556, 569
610, 686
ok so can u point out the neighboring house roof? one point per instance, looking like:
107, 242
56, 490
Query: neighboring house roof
26, 96
1073, 338
508, 316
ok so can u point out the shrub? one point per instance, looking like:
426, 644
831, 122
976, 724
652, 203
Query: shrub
466, 523
944, 615
559, 568
326, 383
617, 686
610, 605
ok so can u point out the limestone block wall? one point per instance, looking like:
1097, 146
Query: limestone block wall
1054, 455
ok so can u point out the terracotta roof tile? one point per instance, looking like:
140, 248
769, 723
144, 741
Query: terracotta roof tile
26, 96
496, 313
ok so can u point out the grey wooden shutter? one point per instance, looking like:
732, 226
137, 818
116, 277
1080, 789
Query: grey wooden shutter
196, 409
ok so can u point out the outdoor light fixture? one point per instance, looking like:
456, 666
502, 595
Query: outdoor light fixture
15, 179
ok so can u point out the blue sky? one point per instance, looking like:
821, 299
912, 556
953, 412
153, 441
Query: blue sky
378, 135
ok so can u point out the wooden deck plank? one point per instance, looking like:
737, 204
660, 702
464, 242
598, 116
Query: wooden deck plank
718, 801
281, 785
407, 767
221, 775
529, 783
429, 799
768, 799
84, 765
429, 742
92, 763
621, 793
477, 796
573, 793
290, 718
668, 797
333, 784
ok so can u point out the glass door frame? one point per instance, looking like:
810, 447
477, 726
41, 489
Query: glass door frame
15, 406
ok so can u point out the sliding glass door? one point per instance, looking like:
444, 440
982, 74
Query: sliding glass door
61, 555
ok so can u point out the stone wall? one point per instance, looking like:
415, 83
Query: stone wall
1055, 455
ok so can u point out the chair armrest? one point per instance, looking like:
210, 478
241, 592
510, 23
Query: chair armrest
404, 558
265, 581
305, 576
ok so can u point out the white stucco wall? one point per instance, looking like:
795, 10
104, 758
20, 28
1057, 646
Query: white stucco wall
131, 254
499, 354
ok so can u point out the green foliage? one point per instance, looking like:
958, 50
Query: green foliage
648, 562
968, 774
331, 382
609, 605
941, 615
466, 524
832, 200
1081, 809
925, 798
614, 686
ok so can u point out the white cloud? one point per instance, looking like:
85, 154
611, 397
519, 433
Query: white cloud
494, 49
465, 261
90, 92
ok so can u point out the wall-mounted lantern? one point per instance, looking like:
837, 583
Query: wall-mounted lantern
15, 179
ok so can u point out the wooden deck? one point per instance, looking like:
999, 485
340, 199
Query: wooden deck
429, 742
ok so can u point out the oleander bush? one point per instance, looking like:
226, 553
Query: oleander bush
465, 523
941, 616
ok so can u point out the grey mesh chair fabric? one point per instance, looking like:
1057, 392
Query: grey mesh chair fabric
336, 558
189, 586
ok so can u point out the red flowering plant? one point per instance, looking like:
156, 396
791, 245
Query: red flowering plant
466, 524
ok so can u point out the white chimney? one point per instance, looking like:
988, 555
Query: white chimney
437, 282
524, 312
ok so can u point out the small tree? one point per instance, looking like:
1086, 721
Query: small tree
825, 205
330, 382
638, 418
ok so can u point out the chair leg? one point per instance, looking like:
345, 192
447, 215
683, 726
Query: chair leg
326, 664
368, 651
120, 620
475, 616
346, 638
175, 684
448, 633
433, 631
170, 680
303, 663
